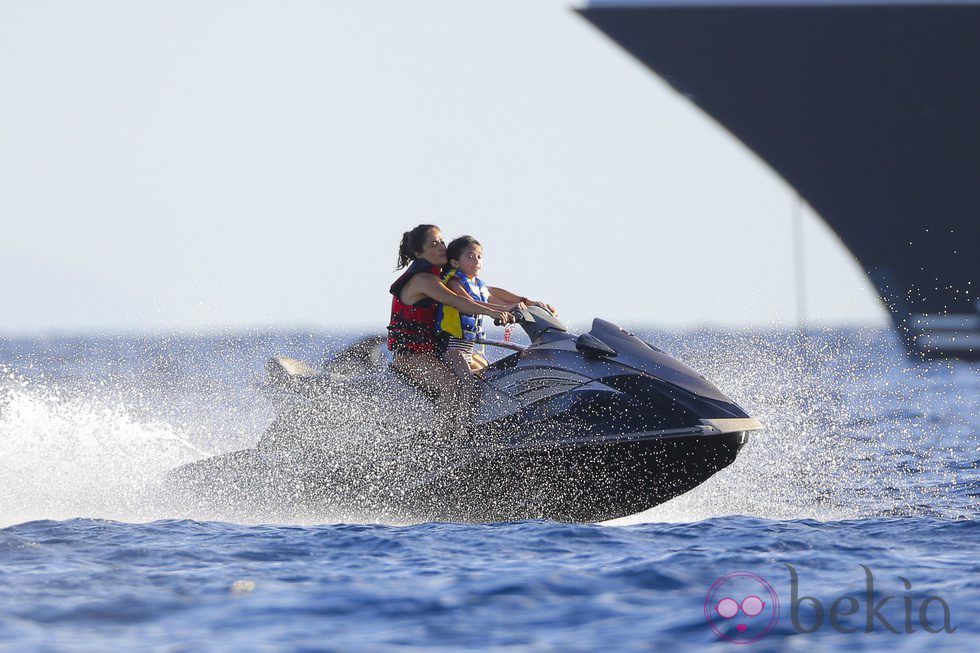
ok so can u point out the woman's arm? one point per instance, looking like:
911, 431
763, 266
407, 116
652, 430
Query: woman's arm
429, 286
457, 286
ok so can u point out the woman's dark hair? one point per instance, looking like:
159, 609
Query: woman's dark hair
412, 243
455, 249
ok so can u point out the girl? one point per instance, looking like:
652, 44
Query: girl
464, 329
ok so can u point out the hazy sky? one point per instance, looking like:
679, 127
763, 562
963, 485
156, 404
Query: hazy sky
200, 165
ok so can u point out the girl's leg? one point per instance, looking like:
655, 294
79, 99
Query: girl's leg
460, 366
478, 362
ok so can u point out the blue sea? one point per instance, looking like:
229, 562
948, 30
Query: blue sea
850, 522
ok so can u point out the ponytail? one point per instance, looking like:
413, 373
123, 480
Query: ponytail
412, 243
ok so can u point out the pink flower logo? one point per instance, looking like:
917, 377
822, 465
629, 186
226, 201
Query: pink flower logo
741, 607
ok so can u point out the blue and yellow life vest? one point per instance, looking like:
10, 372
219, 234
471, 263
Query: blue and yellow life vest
464, 325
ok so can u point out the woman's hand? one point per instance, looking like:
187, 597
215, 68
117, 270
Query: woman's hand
505, 317
519, 306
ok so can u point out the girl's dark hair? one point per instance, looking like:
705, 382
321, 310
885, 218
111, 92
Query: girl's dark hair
412, 242
455, 249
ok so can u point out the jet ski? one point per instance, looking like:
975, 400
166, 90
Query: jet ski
574, 428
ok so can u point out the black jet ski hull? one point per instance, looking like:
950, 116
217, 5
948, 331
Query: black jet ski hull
591, 482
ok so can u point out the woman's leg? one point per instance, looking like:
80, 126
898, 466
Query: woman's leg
434, 373
458, 363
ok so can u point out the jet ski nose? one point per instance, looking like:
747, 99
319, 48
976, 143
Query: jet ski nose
590, 345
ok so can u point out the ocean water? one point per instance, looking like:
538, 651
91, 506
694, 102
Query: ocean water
852, 515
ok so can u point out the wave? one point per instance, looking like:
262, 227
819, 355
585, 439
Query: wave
63, 457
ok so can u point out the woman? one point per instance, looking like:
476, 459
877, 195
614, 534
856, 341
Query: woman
413, 333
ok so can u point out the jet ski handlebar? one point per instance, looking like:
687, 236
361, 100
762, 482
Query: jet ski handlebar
519, 317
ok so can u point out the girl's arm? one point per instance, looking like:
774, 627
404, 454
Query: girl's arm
507, 296
457, 287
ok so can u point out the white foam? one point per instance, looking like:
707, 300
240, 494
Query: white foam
64, 457
841, 418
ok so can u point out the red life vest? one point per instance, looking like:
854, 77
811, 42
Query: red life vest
413, 326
